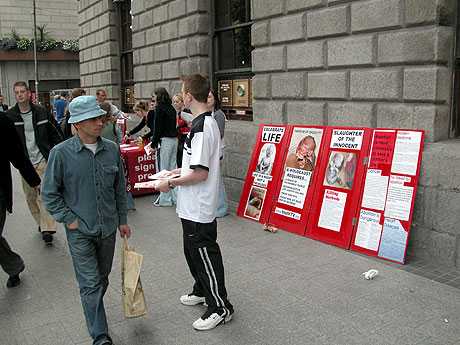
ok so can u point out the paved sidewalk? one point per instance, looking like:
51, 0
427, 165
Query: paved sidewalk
286, 290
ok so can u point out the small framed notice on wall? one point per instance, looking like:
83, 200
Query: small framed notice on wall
226, 92
241, 93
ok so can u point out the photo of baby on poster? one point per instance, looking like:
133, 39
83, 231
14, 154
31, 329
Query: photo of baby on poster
341, 170
303, 148
266, 158
255, 202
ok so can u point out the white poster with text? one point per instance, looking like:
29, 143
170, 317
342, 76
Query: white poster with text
347, 139
375, 190
369, 230
399, 198
294, 188
406, 153
332, 210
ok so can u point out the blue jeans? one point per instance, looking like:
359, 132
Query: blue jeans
168, 155
222, 205
92, 258
130, 201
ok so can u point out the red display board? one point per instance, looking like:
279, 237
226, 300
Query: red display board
139, 166
387, 200
263, 173
338, 185
294, 195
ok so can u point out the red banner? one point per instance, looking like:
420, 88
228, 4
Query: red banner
139, 166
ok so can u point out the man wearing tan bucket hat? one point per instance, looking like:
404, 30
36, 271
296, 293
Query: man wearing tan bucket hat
84, 188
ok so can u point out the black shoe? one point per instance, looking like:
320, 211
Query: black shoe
14, 281
47, 237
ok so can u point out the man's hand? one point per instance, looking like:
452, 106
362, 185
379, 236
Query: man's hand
73, 226
163, 186
125, 230
37, 188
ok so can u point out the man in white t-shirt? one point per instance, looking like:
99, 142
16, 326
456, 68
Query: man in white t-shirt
197, 198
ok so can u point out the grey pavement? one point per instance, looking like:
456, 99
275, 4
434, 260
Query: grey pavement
286, 289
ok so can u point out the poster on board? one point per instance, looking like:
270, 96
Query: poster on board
263, 173
387, 200
338, 186
294, 195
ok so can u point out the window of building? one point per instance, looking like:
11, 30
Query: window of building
232, 70
126, 55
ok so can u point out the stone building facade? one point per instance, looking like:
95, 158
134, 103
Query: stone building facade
55, 70
376, 63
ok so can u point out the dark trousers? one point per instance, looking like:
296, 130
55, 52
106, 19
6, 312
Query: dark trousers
92, 258
11, 262
180, 149
204, 260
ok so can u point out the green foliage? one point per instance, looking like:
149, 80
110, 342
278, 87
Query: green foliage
44, 42
24, 44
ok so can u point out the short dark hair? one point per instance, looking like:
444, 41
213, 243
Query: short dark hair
162, 96
78, 92
21, 84
216, 100
197, 85
106, 107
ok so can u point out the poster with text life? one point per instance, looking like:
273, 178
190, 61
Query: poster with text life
263, 173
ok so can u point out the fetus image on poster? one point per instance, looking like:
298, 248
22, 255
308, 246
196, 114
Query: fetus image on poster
304, 157
341, 170
255, 202
266, 159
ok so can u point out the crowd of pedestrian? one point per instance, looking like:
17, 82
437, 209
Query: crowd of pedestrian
73, 173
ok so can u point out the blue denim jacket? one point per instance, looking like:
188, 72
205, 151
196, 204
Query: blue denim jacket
85, 186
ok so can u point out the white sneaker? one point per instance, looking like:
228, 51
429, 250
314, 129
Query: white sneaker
191, 299
211, 321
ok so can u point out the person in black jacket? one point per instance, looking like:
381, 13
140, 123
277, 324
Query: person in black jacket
12, 151
38, 132
164, 140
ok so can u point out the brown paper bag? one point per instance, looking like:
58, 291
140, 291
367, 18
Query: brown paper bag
133, 295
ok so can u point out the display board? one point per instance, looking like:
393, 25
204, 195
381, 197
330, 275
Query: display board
294, 195
338, 186
386, 207
350, 187
263, 173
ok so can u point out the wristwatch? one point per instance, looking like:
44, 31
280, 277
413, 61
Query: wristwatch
170, 185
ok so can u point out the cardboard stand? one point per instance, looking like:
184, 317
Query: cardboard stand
338, 185
263, 173
387, 200
294, 195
